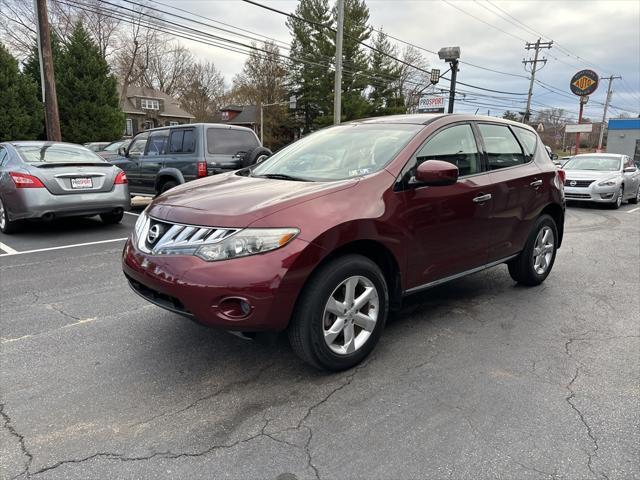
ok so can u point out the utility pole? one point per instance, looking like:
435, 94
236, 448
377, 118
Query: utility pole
606, 107
534, 67
52, 119
337, 87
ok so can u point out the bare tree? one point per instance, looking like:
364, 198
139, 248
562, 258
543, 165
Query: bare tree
203, 94
169, 66
411, 81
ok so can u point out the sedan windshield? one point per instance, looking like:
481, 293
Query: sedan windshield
601, 164
56, 153
113, 147
340, 152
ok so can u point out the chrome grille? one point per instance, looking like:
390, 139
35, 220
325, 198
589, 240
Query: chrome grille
159, 236
578, 183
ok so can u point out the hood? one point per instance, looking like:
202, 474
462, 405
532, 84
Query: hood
591, 175
230, 200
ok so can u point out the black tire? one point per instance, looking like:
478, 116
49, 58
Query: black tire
618, 200
168, 185
306, 331
254, 155
7, 226
112, 218
522, 268
635, 199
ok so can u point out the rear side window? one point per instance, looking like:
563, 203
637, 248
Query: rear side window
221, 141
3, 155
528, 140
182, 141
503, 150
157, 143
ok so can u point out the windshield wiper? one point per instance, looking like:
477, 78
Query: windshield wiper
282, 176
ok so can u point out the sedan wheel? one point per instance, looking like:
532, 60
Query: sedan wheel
6, 225
636, 199
618, 201
340, 314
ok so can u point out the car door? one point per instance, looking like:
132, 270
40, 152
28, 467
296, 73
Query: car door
130, 163
631, 179
153, 160
446, 225
517, 185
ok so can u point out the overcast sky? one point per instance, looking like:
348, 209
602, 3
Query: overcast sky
604, 34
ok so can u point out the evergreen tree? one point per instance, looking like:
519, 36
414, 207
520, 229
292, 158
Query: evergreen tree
87, 93
509, 115
20, 111
383, 96
312, 47
354, 59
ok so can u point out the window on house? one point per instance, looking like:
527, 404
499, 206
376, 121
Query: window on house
225, 115
173, 124
149, 104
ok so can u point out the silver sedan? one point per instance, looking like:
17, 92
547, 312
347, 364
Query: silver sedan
44, 180
603, 178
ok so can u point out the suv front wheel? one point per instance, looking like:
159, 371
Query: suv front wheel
533, 265
341, 314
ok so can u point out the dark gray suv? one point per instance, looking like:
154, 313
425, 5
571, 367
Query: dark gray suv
160, 159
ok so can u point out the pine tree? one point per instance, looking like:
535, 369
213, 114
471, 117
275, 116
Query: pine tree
354, 59
20, 111
87, 92
312, 48
385, 71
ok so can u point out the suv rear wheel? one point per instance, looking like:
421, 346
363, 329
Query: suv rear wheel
341, 314
534, 263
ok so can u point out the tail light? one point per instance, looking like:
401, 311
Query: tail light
563, 175
121, 179
202, 169
24, 180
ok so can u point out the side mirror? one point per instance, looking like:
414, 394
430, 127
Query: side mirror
554, 156
629, 170
437, 173
122, 151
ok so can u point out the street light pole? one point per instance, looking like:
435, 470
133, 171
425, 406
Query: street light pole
452, 88
337, 86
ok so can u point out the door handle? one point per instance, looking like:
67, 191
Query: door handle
482, 198
536, 183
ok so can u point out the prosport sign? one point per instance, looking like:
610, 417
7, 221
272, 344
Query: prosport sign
585, 82
431, 104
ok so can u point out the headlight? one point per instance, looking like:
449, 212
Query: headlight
247, 242
608, 183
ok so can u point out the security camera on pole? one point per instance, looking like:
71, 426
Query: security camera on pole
583, 84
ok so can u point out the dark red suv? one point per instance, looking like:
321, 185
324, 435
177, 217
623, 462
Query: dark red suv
328, 234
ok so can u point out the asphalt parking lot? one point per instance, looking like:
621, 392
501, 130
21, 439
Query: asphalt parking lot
475, 379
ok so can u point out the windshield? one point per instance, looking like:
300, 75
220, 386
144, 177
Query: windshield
113, 147
56, 153
339, 152
601, 164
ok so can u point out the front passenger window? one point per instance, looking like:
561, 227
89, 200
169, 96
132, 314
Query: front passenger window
455, 145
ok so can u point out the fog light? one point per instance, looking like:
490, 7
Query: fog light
235, 308
606, 196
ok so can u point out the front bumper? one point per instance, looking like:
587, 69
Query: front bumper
592, 193
197, 289
37, 202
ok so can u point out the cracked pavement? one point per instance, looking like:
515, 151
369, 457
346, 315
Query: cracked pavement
475, 379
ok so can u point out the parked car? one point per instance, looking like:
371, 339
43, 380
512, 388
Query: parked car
559, 162
44, 180
96, 146
114, 149
326, 236
603, 178
159, 159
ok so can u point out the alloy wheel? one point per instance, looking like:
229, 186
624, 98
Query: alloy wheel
3, 218
619, 198
350, 315
543, 250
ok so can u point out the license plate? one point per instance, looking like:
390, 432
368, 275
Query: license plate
81, 183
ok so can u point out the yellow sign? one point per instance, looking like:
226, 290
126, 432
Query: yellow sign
584, 82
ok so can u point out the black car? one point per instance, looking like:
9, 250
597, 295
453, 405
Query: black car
160, 159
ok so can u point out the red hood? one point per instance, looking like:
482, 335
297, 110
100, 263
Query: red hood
230, 200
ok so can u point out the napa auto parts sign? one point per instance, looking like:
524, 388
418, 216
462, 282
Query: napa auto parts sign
431, 104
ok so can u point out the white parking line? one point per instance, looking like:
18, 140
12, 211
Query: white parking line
7, 249
14, 252
134, 214
633, 210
